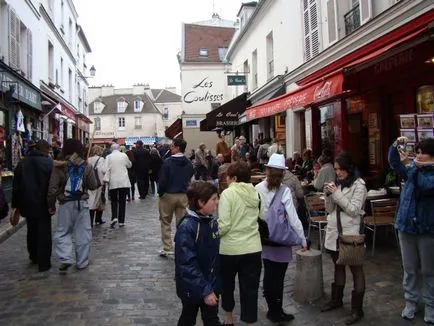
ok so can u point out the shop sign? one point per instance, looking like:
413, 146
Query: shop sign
227, 119
236, 80
202, 91
67, 111
191, 123
302, 97
394, 61
22, 92
104, 134
83, 125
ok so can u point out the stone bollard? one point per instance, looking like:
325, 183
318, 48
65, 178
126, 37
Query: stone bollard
308, 283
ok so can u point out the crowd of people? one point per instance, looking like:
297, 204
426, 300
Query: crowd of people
210, 252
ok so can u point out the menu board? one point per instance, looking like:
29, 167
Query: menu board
416, 127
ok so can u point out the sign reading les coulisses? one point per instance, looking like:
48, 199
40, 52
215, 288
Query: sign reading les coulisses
301, 97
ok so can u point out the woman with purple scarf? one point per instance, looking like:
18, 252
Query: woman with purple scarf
276, 259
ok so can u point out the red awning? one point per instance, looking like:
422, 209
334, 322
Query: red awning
107, 140
174, 130
317, 91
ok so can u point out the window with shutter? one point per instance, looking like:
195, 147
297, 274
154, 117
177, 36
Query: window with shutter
331, 21
14, 39
29, 54
311, 28
365, 10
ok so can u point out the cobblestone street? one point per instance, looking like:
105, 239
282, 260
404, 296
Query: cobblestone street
128, 284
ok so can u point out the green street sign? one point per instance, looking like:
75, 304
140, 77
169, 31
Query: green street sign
235, 80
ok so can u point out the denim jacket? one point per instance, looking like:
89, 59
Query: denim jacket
416, 207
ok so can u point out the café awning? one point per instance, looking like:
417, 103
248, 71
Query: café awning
174, 130
226, 116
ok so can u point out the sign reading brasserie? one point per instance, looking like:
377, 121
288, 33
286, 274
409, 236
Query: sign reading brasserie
235, 80
227, 119
196, 96
22, 92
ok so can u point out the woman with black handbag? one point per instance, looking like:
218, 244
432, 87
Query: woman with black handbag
344, 203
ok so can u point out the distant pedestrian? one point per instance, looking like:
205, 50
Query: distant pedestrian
132, 175
97, 196
223, 148
70, 181
200, 163
143, 163
29, 196
197, 266
156, 163
174, 179
117, 164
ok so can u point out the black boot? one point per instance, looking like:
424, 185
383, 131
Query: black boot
336, 299
356, 308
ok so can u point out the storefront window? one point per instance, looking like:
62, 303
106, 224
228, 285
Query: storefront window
326, 124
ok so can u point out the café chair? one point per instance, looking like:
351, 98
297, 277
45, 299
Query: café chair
316, 214
383, 214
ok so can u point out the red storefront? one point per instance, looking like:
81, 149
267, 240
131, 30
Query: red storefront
355, 103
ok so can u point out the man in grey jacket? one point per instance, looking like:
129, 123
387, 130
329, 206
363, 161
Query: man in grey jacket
200, 163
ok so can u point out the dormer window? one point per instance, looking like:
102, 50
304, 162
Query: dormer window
122, 105
138, 105
98, 107
203, 52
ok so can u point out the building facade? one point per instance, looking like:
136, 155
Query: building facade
125, 114
43, 74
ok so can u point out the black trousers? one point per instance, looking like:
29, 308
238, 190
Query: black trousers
248, 267
143, 183
95, 214
130, 195
153, 178
201, 173
39, 241
189, 314
118, 198
274, 276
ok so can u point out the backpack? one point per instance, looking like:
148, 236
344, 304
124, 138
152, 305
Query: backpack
279, 228
74, 184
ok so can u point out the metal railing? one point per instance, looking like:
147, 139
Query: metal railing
352, 20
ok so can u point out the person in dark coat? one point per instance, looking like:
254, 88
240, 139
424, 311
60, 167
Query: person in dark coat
4, 207
143, 163
156, 163
132, 175
197, 265
29, 196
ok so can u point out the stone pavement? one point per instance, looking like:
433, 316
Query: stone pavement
128, 284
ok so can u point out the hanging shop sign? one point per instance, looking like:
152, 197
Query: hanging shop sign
21, 91
235, 80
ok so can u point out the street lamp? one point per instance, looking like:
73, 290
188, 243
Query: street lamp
92, 71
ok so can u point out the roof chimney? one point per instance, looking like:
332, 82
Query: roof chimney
215, 16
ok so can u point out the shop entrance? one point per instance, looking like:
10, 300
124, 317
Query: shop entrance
358, 142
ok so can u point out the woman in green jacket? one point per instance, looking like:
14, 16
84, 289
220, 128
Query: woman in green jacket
240, 243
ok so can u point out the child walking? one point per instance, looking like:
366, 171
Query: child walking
197, 265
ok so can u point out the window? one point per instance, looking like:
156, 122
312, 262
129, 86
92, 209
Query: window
246, 72
50, 62
121, 123
62, 16
14, 39
255, 69
222, 54
25, 50
138, 123
70, 89
51, 5
97, 122
311, 29
215, 105
97, 107
332, 24
122, 105
61, 73
270, 56
138, 104
70, 34
203, 52
352, 19
166, 114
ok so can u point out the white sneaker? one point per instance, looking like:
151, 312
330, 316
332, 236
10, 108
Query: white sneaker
113, 222
121, 225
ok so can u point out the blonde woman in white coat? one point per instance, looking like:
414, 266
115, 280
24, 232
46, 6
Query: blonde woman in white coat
117, 165
349, 197
96, 197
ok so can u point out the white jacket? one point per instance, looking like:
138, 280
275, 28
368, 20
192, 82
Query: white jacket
117, 164
351, 201
95, 195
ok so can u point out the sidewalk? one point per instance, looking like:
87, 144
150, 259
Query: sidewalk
127, 283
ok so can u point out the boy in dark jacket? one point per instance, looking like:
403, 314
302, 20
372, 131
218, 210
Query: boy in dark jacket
197, 266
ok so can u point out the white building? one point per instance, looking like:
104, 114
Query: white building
168, 103
203, 79
126, 114
43, 68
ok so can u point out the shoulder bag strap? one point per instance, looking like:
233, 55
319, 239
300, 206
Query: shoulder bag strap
338, 218
96, 163
275, 195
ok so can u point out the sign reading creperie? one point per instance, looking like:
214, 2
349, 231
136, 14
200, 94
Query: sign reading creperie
304, 96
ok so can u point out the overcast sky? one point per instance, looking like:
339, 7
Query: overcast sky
136, 41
